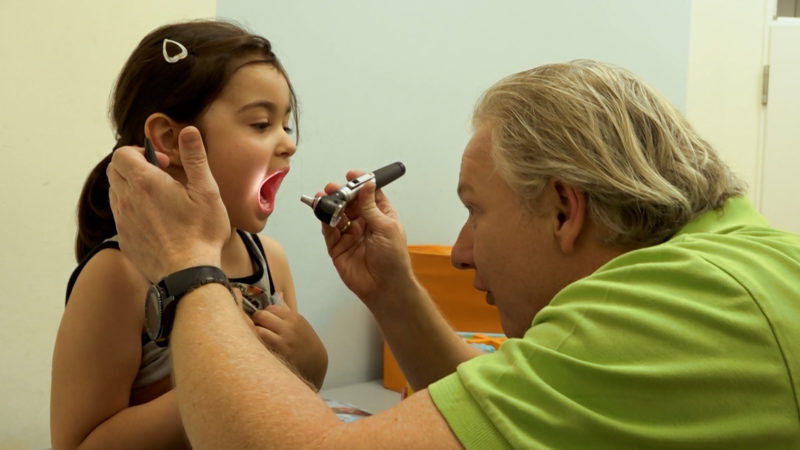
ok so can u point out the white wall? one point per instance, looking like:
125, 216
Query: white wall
727, 49
779, 182
385, 81
59, 62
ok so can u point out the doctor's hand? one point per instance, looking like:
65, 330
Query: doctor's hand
163, 225
371, 254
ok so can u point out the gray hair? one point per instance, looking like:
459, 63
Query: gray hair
644, 169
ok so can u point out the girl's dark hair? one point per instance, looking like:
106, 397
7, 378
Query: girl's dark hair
181, 90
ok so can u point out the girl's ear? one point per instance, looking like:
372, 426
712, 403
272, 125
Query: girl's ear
163, 133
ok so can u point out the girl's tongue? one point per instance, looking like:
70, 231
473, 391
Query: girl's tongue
266, 197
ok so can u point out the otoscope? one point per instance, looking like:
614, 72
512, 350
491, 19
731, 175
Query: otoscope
149, 153
328, 208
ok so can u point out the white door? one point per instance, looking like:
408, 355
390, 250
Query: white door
780, 185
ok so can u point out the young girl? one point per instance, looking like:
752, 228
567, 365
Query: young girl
111, 384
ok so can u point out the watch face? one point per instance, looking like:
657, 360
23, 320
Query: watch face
162, 297
152, 312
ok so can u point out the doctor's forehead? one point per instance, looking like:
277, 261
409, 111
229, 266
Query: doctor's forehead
476, 161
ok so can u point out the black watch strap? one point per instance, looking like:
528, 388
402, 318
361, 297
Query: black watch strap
162, 298
184, 281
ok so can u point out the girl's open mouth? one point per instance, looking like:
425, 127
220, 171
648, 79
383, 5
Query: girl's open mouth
269, 187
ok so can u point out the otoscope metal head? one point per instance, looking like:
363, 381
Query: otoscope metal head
309, 200
327, 208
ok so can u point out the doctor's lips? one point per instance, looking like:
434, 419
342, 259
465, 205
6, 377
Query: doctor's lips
269, 187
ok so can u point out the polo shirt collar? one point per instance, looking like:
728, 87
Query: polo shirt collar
737, 212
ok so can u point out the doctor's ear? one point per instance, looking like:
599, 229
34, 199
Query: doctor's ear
163, 134
570, 213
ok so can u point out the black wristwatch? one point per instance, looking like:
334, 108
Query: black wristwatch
162, 298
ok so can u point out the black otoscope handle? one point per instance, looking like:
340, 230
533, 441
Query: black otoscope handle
387, 174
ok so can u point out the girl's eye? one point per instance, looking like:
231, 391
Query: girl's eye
288, 130
261, 126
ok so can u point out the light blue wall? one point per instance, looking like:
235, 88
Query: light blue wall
380, 81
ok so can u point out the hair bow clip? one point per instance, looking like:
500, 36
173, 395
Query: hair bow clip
176, 57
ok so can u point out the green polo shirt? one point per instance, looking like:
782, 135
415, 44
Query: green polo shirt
694, 343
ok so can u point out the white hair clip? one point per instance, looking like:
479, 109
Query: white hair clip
176, 57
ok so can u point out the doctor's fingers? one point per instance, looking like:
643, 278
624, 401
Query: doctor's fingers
124, 160
129, 170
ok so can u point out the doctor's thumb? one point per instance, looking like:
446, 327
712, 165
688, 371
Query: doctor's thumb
194, 158
366, 202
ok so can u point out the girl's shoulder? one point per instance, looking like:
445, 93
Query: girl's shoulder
108, 280
271, 246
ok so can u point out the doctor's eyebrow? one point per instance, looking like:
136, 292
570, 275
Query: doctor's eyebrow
463, 188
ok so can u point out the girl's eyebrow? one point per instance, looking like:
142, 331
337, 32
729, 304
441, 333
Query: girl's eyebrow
266, 104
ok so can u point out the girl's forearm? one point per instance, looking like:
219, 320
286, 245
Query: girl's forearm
152, 425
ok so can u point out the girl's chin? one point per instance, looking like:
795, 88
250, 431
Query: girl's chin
253, 224
262, 223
